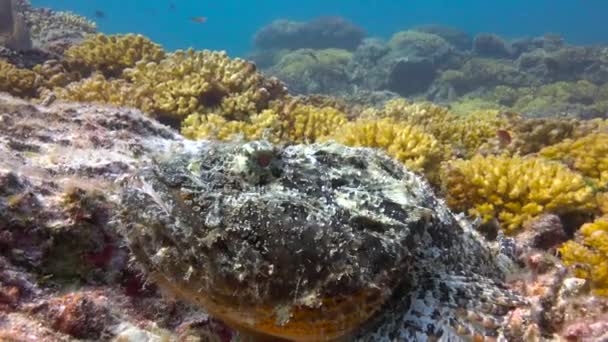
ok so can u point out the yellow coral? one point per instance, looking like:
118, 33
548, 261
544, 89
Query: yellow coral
100, 90
299, 124
189, 82
463, 133
306, 123
587, 254
588, 155
407, 143
54, 74
265, 125
514, 190
111, 54
16, 81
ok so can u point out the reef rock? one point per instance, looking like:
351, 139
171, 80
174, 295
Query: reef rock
319, 33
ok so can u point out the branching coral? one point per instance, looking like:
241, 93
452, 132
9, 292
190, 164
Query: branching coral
587, 155
115, 92
463, 133
16, 81
188, 82
306, 123
587, 254
265, 125
514, 190
54, 74
298, 123
111, 54
407, 143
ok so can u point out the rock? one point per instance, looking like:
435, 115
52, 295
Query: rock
14, 31
319, 33
491, 45
544, 232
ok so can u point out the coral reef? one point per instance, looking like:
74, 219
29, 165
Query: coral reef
514, 190
318, 33
538, 77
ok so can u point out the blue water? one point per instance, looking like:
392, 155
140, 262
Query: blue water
232, 23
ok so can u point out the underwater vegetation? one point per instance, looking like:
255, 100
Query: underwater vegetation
511, 133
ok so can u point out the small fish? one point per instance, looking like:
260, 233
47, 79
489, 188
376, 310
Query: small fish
199, 20
504, 137
312, 55
99, 14
172, 6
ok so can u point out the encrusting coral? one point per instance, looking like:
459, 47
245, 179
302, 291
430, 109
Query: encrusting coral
587, 254
514, 190
111, 54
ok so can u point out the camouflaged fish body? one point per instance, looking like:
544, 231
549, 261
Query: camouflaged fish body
313, 242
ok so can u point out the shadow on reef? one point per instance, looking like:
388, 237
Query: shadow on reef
535, 76
320, 216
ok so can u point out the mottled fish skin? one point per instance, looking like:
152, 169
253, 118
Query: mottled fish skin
314, 242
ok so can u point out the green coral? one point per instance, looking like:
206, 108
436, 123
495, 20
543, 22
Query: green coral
514, 190
587, 254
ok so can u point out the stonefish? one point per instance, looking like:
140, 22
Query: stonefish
312, 243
